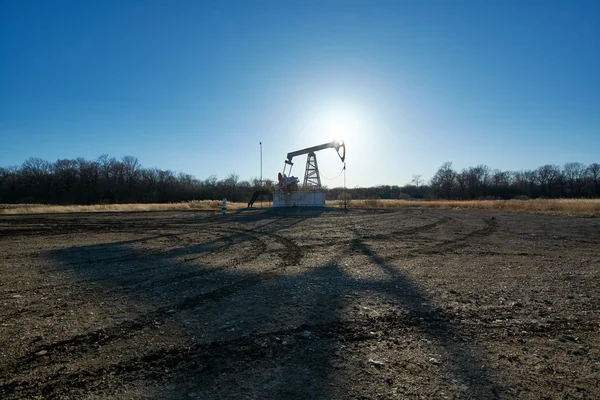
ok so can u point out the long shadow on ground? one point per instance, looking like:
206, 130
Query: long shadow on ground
291, 336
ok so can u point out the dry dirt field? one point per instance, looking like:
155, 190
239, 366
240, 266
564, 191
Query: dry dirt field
369, 304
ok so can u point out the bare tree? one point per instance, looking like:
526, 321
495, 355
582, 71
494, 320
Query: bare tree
131, 167
417, 180
65, 177
4, 174
462, 183
231, 182
546, 175
593, 175
37, 173
36, 167
211, 180
574, 174
476, 179
444, 180
500, 179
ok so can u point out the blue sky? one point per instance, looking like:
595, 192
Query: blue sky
193, 86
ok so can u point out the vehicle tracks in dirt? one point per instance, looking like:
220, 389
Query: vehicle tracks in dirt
290, 255
83, 343
378, 236
490, 226
136, 278
521, 324
199, 357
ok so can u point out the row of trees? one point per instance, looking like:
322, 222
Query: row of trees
550, 181
109, 180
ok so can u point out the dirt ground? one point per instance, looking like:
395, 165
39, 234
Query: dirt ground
369, 304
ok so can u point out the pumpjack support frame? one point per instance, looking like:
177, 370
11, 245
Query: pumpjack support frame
312, 179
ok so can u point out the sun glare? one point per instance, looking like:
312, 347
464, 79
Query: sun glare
340, 125
339, 129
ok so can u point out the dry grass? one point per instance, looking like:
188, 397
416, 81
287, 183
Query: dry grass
51, 209
582, 207
588, 207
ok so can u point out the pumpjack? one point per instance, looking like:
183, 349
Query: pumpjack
286, 192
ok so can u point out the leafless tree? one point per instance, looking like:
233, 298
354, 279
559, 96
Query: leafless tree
131, 167
500, 178
524, 182
66, 176
546, 175
211, 180
574, 174
462, 183
232, 182
593, 174
36, 167
444, 180
4, 174
417, 180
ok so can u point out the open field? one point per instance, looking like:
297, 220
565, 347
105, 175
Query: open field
387, 303
585, 207
589, 207
14, 209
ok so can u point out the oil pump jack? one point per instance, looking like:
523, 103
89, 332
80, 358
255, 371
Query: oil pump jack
286, 192
312, 179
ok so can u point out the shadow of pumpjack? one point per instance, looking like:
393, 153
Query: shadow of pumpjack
255, 356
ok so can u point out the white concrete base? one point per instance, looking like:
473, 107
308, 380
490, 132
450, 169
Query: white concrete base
299, 198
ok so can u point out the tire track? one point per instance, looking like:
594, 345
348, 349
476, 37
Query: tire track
380, 236
490, 227
408, 231
437, 248
130, 280
290, 254
259, 247
207, 357
148, 255
78, 345
65, 350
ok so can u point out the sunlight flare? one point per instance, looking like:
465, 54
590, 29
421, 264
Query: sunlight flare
341, 123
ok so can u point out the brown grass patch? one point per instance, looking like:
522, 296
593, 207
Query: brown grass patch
589, 207
51, 209
581, 207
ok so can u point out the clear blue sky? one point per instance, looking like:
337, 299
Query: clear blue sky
193, 86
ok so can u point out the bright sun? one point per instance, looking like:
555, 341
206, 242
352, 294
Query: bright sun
340, 125
339, 129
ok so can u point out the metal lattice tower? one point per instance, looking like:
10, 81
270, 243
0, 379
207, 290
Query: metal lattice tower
311, 176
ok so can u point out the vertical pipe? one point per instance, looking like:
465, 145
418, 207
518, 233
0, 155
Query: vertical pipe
345, 195
260, 162
261, 181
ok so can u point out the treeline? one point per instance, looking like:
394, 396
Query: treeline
573, 180
109, 180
